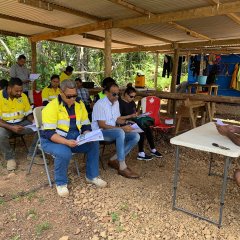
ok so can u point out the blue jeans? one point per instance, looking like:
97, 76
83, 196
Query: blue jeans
125, 142
63, 154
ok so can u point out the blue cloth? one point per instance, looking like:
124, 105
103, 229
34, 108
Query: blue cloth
63, 154
125, 142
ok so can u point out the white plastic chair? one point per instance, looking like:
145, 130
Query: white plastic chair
37, 113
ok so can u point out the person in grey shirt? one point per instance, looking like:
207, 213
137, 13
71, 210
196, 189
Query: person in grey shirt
19, 70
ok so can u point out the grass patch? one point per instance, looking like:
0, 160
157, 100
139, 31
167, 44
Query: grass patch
33, 213
124, 207
40, 228
31, 195
17, 237
2, 201
114, 216
41, 199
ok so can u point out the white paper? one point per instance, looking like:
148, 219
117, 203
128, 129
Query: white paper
219, 122
144, 114
92, 136
136, 128
34, 76
169, 121
32, 126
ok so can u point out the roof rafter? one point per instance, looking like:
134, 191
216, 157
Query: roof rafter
158, 18
142, 11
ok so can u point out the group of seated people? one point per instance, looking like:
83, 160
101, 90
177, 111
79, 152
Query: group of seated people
66, 116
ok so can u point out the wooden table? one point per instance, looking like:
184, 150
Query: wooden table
210, 88
201, 139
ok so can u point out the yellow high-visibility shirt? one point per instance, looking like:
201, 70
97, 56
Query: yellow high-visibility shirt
14, 111
55, 116
64, 76
49, 93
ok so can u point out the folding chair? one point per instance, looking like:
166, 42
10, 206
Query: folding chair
37, 113
152, 104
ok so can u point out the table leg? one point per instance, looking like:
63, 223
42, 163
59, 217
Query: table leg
224, 186
175, 177
210, 165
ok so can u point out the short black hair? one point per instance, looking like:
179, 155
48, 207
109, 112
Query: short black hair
54, 76
21, 57
15, 81
78, 79
107, 81
108, 87
3, 83
69, 69
129, 90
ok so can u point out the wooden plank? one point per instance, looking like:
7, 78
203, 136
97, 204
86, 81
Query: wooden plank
107, 53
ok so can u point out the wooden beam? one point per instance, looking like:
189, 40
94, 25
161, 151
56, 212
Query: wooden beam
22, 20
72, 31
107, 53
149, 14
131, 7
194, 13
189, 31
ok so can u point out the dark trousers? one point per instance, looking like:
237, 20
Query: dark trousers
148, 133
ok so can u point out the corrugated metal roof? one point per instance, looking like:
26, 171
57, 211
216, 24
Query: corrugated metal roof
217, 27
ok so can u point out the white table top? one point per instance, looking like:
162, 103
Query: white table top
201, 138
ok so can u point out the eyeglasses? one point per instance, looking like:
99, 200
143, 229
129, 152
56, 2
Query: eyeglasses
115, 94
71, 96
131, 96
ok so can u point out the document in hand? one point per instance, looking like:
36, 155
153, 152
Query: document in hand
34, 76
144, 114
92, 136
32, 126
219, 122
136, 128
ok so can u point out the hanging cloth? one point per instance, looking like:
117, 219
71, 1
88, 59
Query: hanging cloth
233, 83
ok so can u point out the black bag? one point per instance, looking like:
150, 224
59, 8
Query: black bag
144, 122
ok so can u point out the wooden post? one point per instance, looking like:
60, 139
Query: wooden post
34, 62
173, 82
175, 69
107, 53
156, 70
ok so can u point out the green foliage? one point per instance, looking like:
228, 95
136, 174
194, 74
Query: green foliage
17, 237
40, 228
2, 201
52, 58
114, 216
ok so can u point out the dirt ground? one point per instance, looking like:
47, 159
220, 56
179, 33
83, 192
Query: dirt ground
127, 209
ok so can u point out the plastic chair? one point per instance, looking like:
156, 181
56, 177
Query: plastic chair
152, 104
37, 113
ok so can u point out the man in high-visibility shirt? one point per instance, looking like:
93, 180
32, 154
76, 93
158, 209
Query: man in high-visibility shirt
64, 119
66, 74
52, 91
15, 113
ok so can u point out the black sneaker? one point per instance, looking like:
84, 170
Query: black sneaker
157, 154
146, 158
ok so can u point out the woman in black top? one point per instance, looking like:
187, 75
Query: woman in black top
128, 110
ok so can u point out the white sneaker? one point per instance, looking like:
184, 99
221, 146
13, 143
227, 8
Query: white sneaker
97, 181
62, 191
11, 165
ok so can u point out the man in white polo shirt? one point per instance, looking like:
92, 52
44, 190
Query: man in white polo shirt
106, 115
